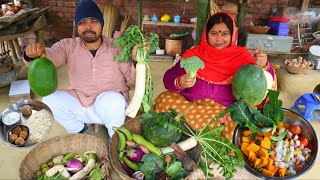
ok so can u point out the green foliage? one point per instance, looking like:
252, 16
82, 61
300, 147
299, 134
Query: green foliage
175, 171
128, 40
218, 149
247, 116
161, 129
192, 65
132, 37
273, 108
152, 164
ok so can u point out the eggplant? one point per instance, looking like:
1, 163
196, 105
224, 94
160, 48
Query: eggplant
135, 154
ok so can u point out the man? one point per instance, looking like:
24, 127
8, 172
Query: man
98, 91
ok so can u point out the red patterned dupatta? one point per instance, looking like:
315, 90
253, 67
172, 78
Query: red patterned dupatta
220, 64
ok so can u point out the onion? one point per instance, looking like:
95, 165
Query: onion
135, 154
138, 175
74, 165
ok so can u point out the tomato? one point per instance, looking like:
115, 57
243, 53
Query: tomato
304, 141
295, 129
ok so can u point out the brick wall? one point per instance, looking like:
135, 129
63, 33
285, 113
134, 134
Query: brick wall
61, 13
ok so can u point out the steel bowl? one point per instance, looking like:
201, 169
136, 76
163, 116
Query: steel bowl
12, 131
307, 131
7, 113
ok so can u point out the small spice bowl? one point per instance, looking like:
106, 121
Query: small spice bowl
11, 118
18, 135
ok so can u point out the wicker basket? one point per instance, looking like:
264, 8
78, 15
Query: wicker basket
297, 70
259, 29
76, 143
135, 126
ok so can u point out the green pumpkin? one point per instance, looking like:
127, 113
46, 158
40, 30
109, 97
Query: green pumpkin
42, 77
250, 83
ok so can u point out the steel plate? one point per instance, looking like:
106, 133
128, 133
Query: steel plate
36, 106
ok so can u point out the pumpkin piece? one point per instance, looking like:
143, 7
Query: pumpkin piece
256, 162
270, 165
252, 156
259, 137
276, 170
264, 161
253, 147
272, 156
267, 134
245, 139
263, 153
244, 146
280, 126
247, 132
267, 172
282, 172
266, 143
271, 168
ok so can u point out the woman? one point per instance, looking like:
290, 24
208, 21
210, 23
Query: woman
198, 101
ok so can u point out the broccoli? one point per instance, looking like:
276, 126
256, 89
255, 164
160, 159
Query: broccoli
192, 65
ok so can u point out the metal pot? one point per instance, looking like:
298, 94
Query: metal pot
314, 55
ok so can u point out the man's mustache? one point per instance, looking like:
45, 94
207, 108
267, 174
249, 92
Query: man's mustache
88, 31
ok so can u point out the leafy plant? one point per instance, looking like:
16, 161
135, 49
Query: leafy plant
175, 170
218, 149
128, 40
151, 165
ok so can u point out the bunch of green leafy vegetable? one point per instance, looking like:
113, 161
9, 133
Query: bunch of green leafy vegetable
128, 40
217, 149
132, 37
175, 170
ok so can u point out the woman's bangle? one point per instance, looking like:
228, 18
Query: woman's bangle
176, 83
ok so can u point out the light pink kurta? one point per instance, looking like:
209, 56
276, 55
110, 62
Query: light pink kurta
89, 76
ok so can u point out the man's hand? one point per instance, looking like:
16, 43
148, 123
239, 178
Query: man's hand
186, 82
35, 50
135, 50
261, 58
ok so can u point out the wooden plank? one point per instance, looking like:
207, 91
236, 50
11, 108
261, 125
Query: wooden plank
159, 23
39, 24
304, 4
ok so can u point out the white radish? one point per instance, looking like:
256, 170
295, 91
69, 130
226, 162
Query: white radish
59, 168
139, 91
185, 145
87, 169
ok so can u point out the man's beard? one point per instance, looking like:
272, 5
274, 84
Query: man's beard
90, 39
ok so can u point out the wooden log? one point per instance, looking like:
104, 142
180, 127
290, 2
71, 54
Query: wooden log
304, 4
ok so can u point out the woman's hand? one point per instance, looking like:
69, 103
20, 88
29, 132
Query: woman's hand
261, 59
35, 50
186, 82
